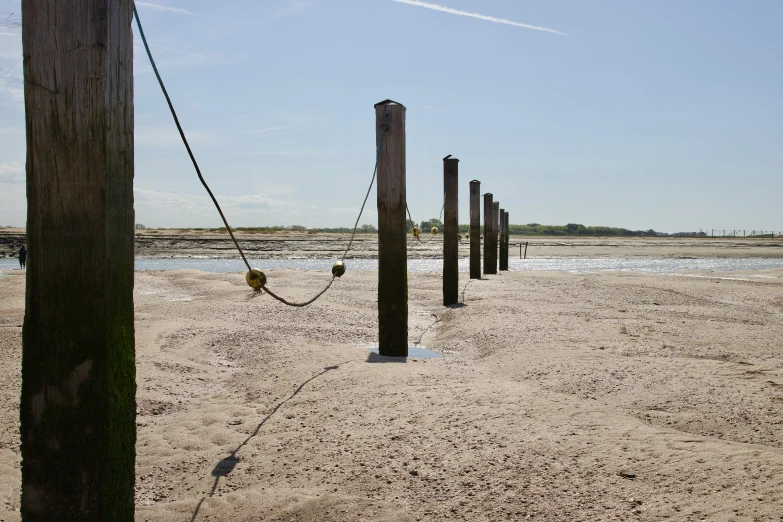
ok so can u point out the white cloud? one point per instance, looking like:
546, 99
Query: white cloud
159, 7
444, 9
155, 208
277, 190
11, 173
13, 194
11, 93
218, 60
344, 210
11, 79
167, 137
294, 6
279, 130
281, 153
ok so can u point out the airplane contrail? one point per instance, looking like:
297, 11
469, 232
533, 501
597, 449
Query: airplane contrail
444, 9
159, 7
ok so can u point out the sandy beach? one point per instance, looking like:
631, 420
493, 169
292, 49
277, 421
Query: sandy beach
559, 396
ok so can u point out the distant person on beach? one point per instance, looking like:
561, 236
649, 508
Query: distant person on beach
22, 256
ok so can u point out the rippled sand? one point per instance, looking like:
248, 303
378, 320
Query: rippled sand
559, 397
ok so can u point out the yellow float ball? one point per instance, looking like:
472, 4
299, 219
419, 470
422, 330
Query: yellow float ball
338, 268
434, 230
467, 236
255, 279
459, 236
415, 231
482, 237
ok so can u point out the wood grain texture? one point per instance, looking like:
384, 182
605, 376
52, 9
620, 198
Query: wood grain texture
475, 229
489, 267
78, 370
451, 231
392, 243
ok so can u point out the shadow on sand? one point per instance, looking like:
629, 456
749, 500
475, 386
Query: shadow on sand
227, 465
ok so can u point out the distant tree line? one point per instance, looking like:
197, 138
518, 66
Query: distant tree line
574, 229
531, 229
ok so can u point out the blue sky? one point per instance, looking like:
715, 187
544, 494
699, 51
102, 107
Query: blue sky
665, 115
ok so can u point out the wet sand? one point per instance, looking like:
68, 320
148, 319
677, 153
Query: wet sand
330, 246
180, 243
610, 396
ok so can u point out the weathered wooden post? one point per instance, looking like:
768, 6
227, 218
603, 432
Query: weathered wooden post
525, 249
78, 410
450, 231
508, 225
475, 229
500, 238
495, 233
489, 267
503, 240
392, 247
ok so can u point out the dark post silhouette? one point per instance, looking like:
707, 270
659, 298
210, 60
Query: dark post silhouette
503, 240
489, 267
450, 231
78, 411
392, 245
495, 233
500, 239
475, 229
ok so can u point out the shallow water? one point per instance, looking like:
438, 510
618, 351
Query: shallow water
414, 352
650, 265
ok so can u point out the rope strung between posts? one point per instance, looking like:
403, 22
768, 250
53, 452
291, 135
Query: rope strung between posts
255, 278
182, 135
341, 270
415, 230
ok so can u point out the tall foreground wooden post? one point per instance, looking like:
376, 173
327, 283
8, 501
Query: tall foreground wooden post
503, 243
450, 231
78, 409
392, 244
475, 229
489, 267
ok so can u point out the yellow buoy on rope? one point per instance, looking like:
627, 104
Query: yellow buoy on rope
415, 231
467, 236
255, 279
338, 269
459, 236
434, 230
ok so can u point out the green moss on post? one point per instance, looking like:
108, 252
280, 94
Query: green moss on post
78, 410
